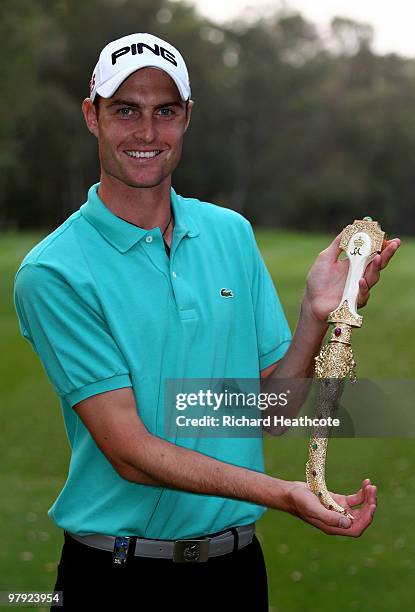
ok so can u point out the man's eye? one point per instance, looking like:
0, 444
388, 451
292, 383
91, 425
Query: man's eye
125, 112
166, 112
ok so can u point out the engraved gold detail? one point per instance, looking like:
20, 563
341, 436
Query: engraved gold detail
343, 314
335, 361
371, 228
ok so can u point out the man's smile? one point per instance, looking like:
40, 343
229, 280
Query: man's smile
143, 156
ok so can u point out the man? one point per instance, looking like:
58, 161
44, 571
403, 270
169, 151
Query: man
142, 285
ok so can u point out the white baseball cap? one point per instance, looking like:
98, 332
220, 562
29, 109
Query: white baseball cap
123, 56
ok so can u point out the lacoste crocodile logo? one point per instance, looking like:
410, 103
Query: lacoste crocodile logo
226, 293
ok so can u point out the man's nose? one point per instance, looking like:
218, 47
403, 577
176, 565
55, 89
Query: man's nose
146, 129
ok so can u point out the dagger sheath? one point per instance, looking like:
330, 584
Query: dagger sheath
330, 363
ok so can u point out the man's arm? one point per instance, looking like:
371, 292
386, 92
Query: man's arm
138, 456
298, 361
295, 369
268, 371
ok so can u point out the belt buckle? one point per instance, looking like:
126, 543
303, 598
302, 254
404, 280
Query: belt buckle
191, 551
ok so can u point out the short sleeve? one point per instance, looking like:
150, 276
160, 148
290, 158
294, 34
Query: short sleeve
273, 332
72, 340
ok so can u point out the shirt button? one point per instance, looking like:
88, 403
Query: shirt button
174, 274
149, 238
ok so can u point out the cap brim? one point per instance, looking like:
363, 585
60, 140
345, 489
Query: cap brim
107, 89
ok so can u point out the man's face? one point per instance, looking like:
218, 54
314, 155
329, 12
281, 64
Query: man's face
140, 129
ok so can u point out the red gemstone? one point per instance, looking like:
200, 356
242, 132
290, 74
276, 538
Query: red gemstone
330, 507
337, 332
314, 472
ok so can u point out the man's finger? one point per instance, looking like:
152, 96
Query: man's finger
333, 251
368, 509
378, 263
364, 293
331, 518
372, 272
367, 512
390, 249
358, 498
364, 288
371, 495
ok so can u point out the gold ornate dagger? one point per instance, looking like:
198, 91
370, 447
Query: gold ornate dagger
360, 241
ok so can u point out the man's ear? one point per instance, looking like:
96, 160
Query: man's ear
189, 107
90, 115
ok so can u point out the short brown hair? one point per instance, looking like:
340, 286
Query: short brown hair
96, 102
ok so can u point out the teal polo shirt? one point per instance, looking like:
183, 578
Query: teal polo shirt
104, 307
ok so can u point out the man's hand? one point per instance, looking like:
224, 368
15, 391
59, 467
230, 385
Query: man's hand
327, 278
306, 505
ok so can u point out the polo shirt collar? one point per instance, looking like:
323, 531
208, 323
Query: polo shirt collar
122, 234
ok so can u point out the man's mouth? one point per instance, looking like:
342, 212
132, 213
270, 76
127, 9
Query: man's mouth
143, 154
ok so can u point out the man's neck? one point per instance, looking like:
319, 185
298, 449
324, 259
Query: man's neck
147, 207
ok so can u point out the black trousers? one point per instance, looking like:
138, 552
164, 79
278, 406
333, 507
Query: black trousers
235, 581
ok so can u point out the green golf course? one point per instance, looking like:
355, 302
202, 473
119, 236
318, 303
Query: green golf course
307, 570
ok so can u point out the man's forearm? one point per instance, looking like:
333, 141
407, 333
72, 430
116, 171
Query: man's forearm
161, 463
297, 367
298, 362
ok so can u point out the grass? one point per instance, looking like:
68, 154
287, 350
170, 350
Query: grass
307, 570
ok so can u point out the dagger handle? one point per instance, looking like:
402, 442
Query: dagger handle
359, 254
360, 241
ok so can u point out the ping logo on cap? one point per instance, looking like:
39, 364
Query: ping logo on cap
138, 48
